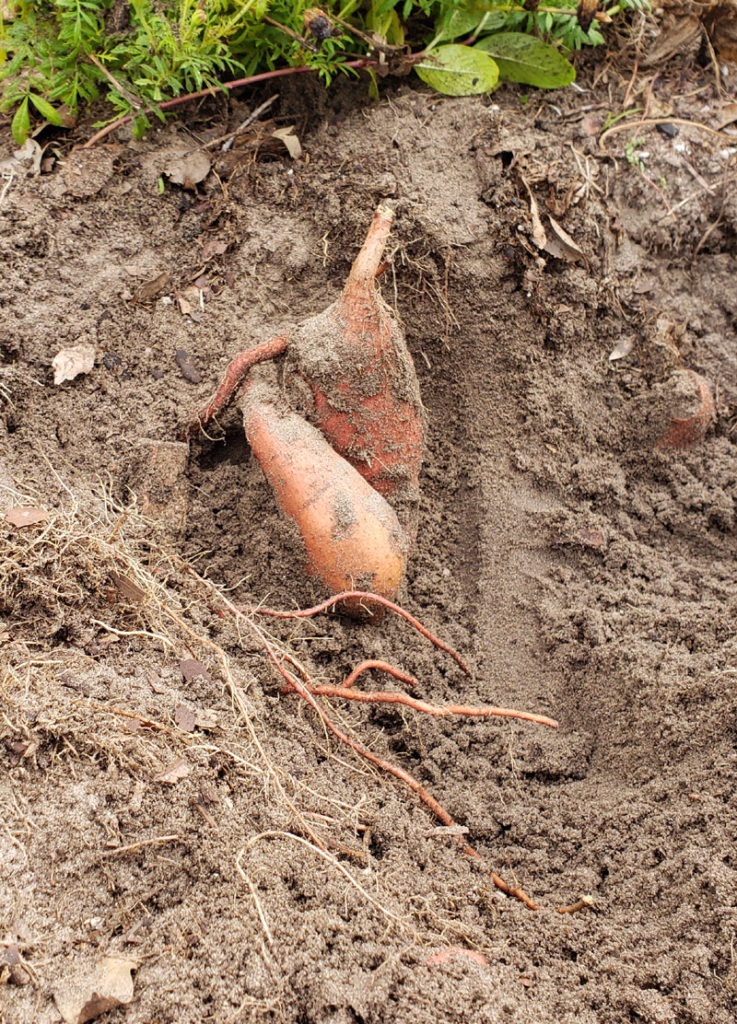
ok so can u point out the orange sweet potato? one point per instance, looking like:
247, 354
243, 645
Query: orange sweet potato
348, 478
365, 397
351, 534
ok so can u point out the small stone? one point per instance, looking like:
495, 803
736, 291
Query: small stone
186, 366
667, 130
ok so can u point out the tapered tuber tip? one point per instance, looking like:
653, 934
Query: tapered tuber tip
367, 262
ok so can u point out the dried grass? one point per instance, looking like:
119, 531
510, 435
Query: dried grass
89, 577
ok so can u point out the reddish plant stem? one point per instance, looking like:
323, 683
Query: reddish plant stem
232, 380
382, 666
212, 91
308, 613
437, 710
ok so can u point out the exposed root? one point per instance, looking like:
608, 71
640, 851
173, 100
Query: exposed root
383, 666
232, 380
368, 597
393, 769
585, 903
437, 710
308, 690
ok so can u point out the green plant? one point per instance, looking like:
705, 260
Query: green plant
632, 156
56, 55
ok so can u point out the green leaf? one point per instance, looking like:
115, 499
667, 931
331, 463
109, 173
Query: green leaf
456, 70
47, 112
140, 125
461, 23
20, 126
458, 23
522, 58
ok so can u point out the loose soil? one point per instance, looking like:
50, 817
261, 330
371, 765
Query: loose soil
160, 797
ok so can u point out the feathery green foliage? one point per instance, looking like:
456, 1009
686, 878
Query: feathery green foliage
56, 55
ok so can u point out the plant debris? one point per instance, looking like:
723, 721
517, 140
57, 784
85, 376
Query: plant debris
86, 995
71, 362
26, 515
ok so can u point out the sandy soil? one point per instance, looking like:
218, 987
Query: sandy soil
166, 812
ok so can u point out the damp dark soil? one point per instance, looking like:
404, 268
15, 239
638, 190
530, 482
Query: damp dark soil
161, 799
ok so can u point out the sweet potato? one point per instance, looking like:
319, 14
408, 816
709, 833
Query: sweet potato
692, 410
350, 481
351, 534
365, 397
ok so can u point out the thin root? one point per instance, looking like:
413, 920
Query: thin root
437, 710
232, 380
585, 903
383, 666
393, 769
309, 691
365, 595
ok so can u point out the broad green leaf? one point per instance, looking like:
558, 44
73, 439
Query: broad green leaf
20, 126
49, 113
464, 22
522, 58
456, 70
458, 23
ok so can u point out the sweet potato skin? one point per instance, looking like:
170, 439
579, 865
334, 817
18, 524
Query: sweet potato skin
352, 536
359, 384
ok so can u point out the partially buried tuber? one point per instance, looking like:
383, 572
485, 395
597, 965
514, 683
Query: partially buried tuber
340, 440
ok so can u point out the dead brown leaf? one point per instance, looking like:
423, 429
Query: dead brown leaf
152, 289
174, 773
84, 997
191, 668
188, 169
561, 245
185, 718
622, 348
213, 247
127, 589
26, 515
674, 38
290, 140
538, 231
155, 683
